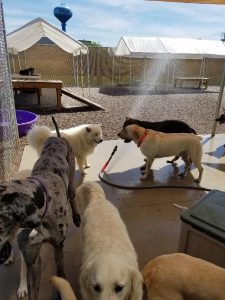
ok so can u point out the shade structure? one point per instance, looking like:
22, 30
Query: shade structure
157, 47
29, 34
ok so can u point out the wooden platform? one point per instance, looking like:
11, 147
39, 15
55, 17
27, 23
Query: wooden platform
37, 85
202, 81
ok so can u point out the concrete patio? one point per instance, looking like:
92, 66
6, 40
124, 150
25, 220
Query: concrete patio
152, 221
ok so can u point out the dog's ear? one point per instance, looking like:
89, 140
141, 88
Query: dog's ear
136, 285
85, 282
88, 129
135, 132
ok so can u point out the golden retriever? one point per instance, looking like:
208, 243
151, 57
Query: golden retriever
109, 268
64, 288
180, 276
154, 144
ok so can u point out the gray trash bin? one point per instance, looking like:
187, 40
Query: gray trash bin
203, 229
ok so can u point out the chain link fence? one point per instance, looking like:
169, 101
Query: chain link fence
53, 63
8, 125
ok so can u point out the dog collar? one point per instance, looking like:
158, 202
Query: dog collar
141, 140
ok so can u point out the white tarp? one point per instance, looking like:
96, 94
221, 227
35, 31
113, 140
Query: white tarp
29, 34
153, 47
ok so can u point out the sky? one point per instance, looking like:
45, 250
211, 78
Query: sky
105, 21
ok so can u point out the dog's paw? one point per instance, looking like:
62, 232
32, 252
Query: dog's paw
144, 177
87, 166
143, 167
182, 174
22, 290
197, 180
10, 259
83, 173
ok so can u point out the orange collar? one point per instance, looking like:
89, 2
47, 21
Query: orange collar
141, 140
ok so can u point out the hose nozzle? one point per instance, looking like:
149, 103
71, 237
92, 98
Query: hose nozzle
106, 164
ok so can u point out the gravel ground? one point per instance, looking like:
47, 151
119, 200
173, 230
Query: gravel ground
195, 107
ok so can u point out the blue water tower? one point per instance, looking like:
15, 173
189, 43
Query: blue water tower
63, 14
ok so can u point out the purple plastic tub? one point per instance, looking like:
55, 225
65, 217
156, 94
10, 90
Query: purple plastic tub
25, 120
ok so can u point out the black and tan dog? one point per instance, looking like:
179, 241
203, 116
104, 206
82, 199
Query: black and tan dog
166, 126
42, 201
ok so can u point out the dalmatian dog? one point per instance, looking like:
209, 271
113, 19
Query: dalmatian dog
40, 204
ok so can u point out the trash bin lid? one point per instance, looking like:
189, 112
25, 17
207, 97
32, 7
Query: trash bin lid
208, 214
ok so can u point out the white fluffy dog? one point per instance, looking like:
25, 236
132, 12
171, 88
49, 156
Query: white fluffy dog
83, 140
155, 144
109, 267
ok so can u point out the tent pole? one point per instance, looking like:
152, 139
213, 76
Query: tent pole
130, 73
25, 57
145, 71
113, 70
206, 66
220, 97
82, 75
19, 61
88, 75
119, 67
14, 70
77, 66
74, 75
200, 73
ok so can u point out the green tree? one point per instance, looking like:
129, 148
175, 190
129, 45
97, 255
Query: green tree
90, 43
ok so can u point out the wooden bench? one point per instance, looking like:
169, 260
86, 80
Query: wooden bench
202, 81
37, 85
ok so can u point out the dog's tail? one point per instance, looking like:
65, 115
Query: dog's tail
56, 126
64, 288
37, 135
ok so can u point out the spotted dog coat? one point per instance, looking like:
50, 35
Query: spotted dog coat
41, 201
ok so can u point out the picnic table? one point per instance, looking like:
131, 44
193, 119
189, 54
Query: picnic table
202, 81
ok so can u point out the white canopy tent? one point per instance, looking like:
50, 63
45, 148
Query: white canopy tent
29, 34
182, 48
156, 47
